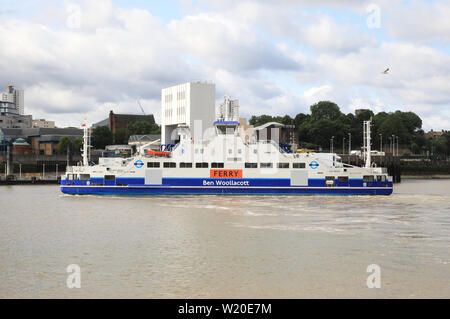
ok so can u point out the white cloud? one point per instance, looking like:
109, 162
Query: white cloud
419, 22
276, 58
220, 41
316, 94
71, 71
324, 34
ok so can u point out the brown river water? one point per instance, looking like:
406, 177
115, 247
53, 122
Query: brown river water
225, 246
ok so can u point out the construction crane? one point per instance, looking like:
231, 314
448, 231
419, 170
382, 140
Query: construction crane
142, 109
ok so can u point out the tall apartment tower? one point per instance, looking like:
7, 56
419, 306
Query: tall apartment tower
12, 101
184, 104
19, 101
229, 110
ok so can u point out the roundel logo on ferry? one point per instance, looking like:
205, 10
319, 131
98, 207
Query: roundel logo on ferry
138, 164
314, 164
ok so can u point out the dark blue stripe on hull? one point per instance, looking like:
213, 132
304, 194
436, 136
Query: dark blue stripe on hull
251, 182
222, 191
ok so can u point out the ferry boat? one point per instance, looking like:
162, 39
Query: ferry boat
225, 164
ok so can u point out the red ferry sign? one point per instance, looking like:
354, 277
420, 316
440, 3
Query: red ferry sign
225, 173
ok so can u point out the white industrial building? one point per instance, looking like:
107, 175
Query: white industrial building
184, 104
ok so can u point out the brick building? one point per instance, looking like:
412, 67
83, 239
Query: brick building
116, 121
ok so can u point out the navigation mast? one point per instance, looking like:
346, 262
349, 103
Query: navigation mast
86, 144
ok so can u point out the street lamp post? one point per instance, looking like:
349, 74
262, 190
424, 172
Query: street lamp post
390, 143
349, 143
393, 145
332, 139
343, 146
381, 142
397, 145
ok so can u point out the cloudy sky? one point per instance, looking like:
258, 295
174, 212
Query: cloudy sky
77, 60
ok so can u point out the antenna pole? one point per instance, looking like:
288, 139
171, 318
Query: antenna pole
86, 142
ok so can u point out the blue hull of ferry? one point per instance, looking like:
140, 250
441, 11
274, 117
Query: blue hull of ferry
83, 190
196, 186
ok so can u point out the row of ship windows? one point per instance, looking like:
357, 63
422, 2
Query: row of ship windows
366, 178
221, 165
230, 151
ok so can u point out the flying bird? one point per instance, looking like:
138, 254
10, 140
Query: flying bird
385, 71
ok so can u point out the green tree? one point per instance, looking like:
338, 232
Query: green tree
253, 120
156, 129
300, 118
415, 148
325, 110
326, 120
447, 137
143, 127
321, 132
411, 121
286, 120
379, 118
364, 115
101, 137
77, 144
62, 145
420, 144
121, 136
439, 144
393, 125
260, 120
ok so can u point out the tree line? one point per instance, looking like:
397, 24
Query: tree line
326, 120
